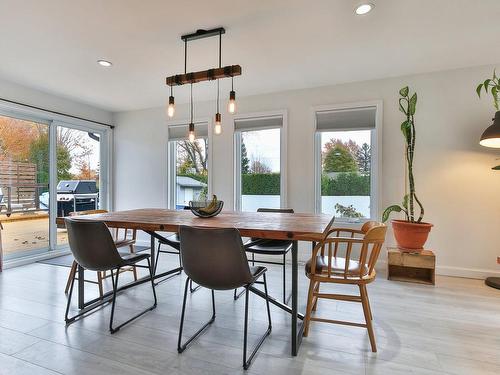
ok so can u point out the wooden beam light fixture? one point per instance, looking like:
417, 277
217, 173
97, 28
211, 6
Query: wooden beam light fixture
191, 78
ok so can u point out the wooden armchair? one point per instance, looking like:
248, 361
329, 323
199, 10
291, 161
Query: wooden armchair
347, 259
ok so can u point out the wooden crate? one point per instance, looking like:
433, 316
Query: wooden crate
411, 267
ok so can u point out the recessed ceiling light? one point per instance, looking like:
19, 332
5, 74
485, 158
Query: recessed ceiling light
105, 63
364, 8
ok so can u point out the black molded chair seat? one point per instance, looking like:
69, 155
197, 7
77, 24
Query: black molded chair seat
257, 271
271, 247
129, 259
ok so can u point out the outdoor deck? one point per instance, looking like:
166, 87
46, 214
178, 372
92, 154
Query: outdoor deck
24, 232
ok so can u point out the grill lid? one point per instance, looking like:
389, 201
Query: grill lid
77, 187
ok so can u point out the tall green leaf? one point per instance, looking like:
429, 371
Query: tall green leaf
406, 130
478, 89
405, 201
401, 107
413, 104
389, 210
486, 84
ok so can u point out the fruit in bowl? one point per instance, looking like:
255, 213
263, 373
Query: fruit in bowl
206, 209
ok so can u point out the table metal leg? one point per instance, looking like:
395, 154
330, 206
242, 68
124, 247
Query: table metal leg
153, 257
295, 296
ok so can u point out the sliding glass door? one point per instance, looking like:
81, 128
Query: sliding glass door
48, 169
81, 183
24, 186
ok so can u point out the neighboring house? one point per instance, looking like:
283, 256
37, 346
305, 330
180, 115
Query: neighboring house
188, 189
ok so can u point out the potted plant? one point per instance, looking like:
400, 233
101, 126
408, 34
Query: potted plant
410, 234
491, 136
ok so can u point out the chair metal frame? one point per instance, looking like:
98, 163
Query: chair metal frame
247, 360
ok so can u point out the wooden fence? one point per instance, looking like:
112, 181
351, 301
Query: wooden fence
18, 181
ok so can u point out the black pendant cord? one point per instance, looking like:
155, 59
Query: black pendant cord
220, 65
185, 56
56, 112
192, 104
217, 96
220, 49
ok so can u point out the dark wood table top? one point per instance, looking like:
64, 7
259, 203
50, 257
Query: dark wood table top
250, 224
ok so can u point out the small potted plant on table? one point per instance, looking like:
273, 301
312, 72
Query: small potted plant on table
411, 233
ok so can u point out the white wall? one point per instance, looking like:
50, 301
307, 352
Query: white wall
25, 95
453, 175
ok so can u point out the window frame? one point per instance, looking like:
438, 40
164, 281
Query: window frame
283, 153
171, 155
53, 120
376, 147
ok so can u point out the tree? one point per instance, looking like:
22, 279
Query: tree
259, 167
16, 137
193, 154
364, 158
39, 154
339, 159
350, 146
245, 169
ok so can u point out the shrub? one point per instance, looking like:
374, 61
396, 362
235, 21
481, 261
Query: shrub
345, 184
260, 184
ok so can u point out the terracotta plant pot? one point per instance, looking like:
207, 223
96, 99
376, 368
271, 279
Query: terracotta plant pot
411, 236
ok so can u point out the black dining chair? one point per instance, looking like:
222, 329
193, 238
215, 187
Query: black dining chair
216, 259
93, 247
270, 247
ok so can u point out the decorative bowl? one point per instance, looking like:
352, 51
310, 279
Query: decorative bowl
206, 209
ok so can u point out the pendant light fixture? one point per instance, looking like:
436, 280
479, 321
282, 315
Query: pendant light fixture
231, 105
229, 71
191, 135
171, 103
218, 122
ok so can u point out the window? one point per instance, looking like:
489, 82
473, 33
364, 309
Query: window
188, 165
259, 163
346, 159
37, 151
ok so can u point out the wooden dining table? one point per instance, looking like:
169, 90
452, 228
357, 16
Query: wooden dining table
265, 225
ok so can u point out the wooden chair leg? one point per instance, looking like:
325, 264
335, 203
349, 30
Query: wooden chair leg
307, 318
316, 290
366, 310
368, 303
72, 273
99, 283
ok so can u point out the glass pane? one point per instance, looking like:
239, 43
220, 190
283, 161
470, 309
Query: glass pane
24, 193
260, 169
78, 158
345, 177
191, 172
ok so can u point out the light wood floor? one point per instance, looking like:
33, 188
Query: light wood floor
453, 328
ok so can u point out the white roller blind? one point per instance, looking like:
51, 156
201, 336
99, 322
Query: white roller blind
258, 123
180, 132
346, 119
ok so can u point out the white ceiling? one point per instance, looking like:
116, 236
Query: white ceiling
281, 44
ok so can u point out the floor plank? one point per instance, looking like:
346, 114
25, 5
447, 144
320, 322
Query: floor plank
447, 329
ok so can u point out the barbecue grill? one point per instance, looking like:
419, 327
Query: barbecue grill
76, 195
